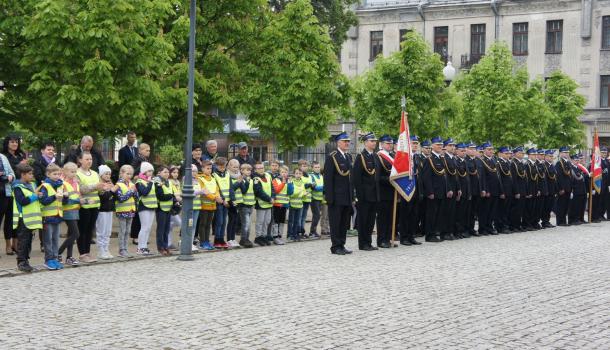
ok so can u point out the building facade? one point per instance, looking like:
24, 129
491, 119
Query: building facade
546, 35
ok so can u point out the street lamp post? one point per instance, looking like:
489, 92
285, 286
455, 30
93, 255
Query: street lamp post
449, 74
186, 242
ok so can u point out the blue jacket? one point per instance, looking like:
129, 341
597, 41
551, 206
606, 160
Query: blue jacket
8, 190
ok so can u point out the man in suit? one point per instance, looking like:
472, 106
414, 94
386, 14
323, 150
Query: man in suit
435, 190
493, 191
563, 167
448, 206
551, 177
506, 179
472, 160
517, 203
128, 152
365, 182
462, 210
338, 193
386, 192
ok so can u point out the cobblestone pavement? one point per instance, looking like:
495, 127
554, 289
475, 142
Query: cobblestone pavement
537, 290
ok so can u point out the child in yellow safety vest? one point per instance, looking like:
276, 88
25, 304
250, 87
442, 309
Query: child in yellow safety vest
27, 216
263, 191
233, 220
244, 200
166, 197
223, 180
71, 207
209, 199
283, 190
125, 206
51, 200
147, 205
317, 198
296, 205
304, 166
103, 224
176, 220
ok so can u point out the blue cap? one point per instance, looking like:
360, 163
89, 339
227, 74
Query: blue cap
531, 151
574, 156
504, 149
604, 149
549, 152
448, 141
471, 144
437, 140
426, 143
487, 145
414, 138
461, 145
342, 137
480, 147
386, 138
369, 137
541, 151
518, 149
564, 149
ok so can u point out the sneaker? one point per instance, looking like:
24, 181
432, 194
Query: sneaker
50, 265
246, 243
278, 241
196, 242
141, 251
134, 241
25, 267
314, 235
221, 245
207, 246
261, 241
106, 256
172, 247
72, 261
59, 265
86, 258
124, 254
147, 251
194, 248
60, 259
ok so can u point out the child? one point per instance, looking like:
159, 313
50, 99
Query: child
165, 197
244, 199
233, 222
317, 198
103, 224
147, 205
197, 192
263, 190
304, 166
71, 207
274, 171
26, 214
210, 197
176, 221
52, 213
296, 206
223, 180
125, 206
283, 190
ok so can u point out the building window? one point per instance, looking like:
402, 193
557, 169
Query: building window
605, 92
554, 36
477, 42
606, 32
520, 39
402, 34
376, 44
441, 42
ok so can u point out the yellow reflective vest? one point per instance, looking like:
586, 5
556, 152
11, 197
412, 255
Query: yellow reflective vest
30, 214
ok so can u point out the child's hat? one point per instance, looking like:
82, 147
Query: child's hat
146, 166
104, 169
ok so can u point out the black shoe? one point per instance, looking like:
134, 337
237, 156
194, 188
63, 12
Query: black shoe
465, 234
474, 234
246, 243
339, 251
501, 230
493, 232
347, 251
25, 267
384, 245
260, 241
135, 242
407, 243
563, 225
483, 233
92, 242
433, 239
369, 248
448, 237
413, 241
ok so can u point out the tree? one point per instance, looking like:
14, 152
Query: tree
294, 88
566, 105
415, 72
335, 14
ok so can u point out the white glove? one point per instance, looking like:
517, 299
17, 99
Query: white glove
571, 195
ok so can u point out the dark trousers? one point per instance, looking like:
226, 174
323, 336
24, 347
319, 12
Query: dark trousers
421, 216
72, 236
339, 220
501, 217
232, 223
86, 226
536, 214
516, 213
407, 218
366, 222
576, 212
488, 213
433, 224
597, 211
563, 204
24, 246
472, 215
384, 221
529, 215
135, 227
163, 224
279, 215
6, 213
448, 216
547, 208
315, 215
462, 215
206, 217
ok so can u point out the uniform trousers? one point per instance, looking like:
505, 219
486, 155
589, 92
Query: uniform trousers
366, 222
339, 220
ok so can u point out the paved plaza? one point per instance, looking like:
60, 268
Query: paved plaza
537, 290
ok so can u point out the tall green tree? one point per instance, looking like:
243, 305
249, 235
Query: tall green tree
566, 105
415, 72
294, 88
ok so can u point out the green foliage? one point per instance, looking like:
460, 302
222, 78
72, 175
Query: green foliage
294, 87
415, 72
170, 154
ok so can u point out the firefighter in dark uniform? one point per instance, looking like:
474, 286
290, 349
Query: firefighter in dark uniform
366, 184
506, 178
475, 186
448, 231
605, 207
517, 204
426, 150
563, 168
493, 191
386, 192
543, 184
463, 204
551, 178
339, 193
580, 188
408, 215
435, 190
533, 191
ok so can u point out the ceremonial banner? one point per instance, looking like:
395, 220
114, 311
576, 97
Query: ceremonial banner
596, 165
402, 176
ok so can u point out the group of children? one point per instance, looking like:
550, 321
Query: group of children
226, 196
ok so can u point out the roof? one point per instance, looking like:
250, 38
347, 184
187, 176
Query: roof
382, 4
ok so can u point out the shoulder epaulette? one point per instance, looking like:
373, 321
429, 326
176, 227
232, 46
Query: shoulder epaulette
333, 153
